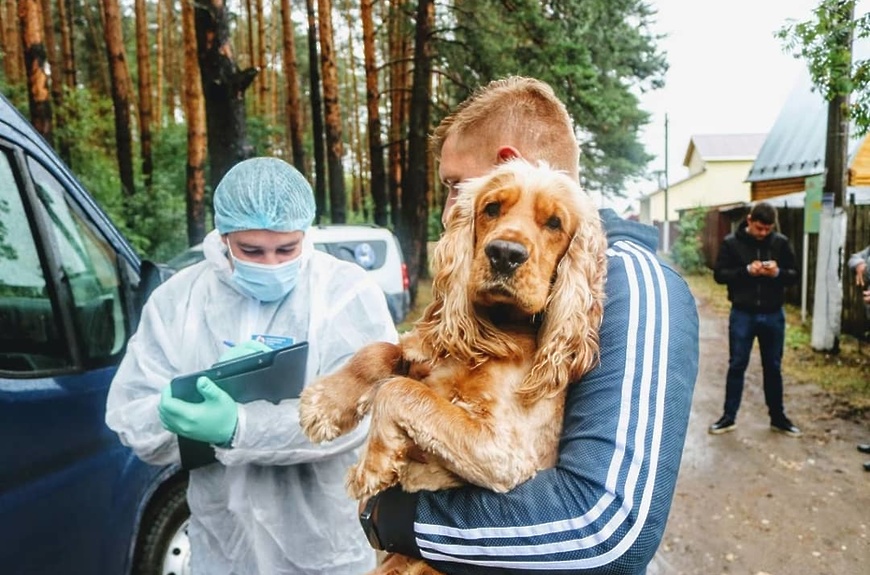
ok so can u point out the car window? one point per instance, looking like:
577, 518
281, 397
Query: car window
368, 254
91, 268
30, 337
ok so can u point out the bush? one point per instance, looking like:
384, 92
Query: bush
687, 251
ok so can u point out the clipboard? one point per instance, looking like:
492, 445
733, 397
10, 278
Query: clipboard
272, 376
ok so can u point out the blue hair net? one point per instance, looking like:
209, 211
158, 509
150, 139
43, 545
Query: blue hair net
263, 194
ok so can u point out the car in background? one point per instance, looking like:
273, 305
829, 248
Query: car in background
374, 248
73, 499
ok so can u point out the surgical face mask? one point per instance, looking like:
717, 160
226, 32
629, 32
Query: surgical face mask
264, 282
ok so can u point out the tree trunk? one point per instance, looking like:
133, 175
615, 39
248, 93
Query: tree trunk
224, 86
13, 58
30, 18
196, 128
143, 60
159, 64
316, 114
68, 61
400, 53
294, 105
252, 54
120, 85
58, 59
378, 181
331, 114
350, 94
52, 55
263, 76
415, 186
172, 68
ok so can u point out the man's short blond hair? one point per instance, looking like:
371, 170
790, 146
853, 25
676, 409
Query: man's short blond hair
514, 111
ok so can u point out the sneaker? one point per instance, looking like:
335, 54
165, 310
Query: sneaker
785, 426
724, 425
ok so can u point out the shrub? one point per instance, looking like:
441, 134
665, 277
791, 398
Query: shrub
687, 251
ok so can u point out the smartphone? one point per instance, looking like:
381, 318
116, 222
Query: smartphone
767, 263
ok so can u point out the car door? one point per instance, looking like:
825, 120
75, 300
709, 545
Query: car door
64, 322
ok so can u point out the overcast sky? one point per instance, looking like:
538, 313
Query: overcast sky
728, 74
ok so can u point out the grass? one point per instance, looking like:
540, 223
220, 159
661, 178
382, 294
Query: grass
845, 376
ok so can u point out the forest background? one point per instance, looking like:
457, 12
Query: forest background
150, 102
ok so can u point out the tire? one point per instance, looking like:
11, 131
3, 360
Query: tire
162, 547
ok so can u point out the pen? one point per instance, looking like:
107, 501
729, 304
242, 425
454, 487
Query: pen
228, 343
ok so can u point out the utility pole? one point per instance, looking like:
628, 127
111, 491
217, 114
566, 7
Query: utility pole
666, 248
837, 134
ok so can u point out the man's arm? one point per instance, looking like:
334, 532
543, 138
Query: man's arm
859, 257
603, 508
729, 268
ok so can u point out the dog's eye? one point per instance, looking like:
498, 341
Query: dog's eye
554, 223
492, 209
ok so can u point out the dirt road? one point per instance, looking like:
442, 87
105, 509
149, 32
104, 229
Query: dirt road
754, 502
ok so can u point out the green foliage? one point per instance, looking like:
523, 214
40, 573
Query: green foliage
687, 251
835, 70
88, 126
262, 135
595, 53
152, 220
159, 212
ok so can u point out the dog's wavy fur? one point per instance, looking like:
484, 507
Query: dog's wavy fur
479, 384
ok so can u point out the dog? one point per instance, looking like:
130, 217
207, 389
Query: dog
479, 384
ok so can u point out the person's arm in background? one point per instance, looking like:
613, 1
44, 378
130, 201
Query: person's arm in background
858, 263
269, 434
604, 507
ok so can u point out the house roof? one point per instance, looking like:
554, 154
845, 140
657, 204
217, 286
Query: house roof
860, 195
795, 146
725, 146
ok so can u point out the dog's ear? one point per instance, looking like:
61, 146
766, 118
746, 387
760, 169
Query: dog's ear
568, 338
448, 324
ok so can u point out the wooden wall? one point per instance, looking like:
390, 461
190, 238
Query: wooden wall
772, 188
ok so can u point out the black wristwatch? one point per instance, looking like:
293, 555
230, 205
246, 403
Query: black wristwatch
366, 519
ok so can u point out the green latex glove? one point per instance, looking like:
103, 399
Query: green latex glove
249, 347
213, 420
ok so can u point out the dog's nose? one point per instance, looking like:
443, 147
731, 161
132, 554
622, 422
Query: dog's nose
504, 256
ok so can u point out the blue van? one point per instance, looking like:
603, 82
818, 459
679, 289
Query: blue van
72, 498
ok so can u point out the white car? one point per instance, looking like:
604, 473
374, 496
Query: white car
372, 247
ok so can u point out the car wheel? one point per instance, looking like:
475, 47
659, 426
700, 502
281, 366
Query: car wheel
163, 546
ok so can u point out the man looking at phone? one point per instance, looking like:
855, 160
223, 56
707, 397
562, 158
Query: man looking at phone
757, 264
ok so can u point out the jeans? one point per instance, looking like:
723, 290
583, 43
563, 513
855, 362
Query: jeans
743, 328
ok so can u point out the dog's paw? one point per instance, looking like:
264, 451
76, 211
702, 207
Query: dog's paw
321, 417
363, 482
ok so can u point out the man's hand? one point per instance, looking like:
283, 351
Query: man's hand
867, 296
859, 274
755, 268
213, 420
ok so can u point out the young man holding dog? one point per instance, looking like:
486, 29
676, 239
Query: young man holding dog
604, 506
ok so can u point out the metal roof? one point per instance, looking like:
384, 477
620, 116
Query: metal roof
795, 146
725, 146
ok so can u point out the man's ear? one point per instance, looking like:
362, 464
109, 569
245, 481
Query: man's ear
507, 153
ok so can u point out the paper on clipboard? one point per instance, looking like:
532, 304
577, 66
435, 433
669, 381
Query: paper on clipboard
272, 376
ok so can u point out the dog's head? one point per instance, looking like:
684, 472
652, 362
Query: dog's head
522, 244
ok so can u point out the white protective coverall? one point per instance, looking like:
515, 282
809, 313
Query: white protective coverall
276, 504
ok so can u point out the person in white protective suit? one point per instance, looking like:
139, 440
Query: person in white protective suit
275, 503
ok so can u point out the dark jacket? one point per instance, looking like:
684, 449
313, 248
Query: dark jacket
756, 294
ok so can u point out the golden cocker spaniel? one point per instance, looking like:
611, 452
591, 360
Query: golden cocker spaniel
479, 384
